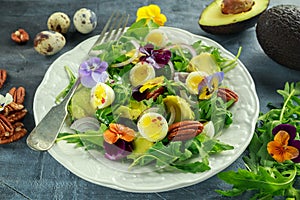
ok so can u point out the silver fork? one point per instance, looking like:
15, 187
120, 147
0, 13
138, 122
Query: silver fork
43, 136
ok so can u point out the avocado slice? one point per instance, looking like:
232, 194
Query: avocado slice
213, 21
278, 33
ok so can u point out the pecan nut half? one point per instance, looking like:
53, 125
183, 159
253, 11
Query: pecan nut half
20, 36
227, 94
184, 130
19, 132
6, 128
155, 93
18, 94
3, 76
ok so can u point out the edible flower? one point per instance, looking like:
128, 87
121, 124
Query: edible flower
157, 58
152, 83
118, 131
118, 150
92, 72
284, 147
5, 100
209, 84
151, 12
141, 92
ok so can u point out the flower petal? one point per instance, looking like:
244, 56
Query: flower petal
151, 12
87, 81
152, 83
296, 144
290, 153
282, 137
100, 77
110, 136
285, 127
276, 150
118, 150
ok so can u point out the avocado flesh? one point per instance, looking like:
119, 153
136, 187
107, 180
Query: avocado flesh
278, 33
212, 19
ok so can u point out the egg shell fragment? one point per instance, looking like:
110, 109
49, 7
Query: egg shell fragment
59, 22
49, 42
85, 20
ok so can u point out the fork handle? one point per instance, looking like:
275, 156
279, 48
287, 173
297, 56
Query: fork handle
43, 136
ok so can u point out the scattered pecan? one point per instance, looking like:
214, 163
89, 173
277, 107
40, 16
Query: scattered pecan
3, 76
236, 6
19, 132
6, 128
155, 93
16, 116
227, 94
118, 131
184, 130
18, 94
12, 107
20, 36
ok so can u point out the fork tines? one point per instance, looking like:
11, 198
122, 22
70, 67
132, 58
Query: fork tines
113, 29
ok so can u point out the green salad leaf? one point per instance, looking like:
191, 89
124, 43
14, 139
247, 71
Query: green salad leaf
178, 155
263, 175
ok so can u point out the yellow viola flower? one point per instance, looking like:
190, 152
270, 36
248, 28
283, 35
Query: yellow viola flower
152, 83
151, 12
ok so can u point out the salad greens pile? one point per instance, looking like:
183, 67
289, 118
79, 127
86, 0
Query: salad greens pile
264, 176
129, 105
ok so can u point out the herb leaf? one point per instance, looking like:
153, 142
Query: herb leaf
263, 174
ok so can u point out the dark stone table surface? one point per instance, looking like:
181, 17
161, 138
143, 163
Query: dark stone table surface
27, 174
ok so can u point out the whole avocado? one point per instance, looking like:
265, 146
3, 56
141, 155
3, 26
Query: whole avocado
278, 33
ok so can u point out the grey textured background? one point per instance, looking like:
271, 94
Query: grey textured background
26, 174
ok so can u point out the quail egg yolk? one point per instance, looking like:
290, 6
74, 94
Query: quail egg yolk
102, 96
153, 127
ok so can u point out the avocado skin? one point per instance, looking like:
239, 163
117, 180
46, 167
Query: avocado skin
278, 33
230, 28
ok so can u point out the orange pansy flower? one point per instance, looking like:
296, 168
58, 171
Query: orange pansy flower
279, 148
118, 131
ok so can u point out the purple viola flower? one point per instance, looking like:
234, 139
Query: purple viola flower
157, 58
92, 72
118, 150
210, 84
292, 131
137, 95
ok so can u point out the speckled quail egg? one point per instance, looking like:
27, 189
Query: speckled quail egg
59, 22
85, 20
49, 42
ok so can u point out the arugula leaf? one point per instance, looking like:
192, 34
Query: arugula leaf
163, 155
263, 174
64, 92
266, 181
215, 110
90, 139
194, 167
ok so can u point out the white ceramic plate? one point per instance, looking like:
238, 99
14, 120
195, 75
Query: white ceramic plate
116, 175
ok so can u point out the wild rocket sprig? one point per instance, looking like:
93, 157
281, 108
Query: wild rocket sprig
265, 174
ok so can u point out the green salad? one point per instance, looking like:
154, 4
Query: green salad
145, 100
